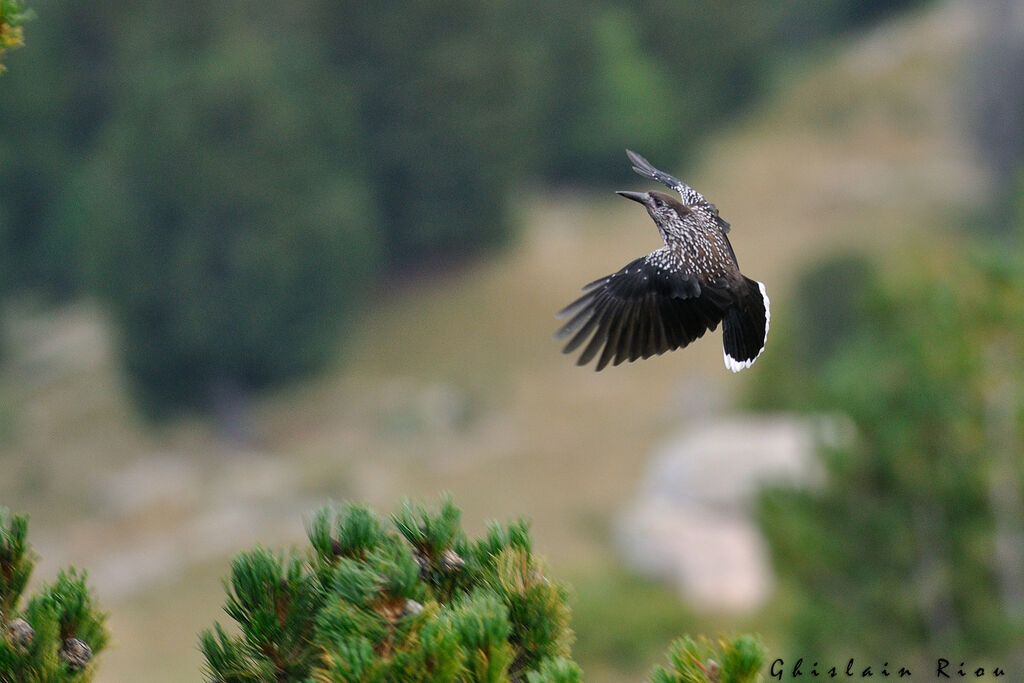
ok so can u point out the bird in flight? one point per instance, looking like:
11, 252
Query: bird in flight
672, 296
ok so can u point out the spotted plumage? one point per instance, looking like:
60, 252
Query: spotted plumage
672, 296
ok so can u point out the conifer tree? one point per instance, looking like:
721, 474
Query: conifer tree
704, 661
59, 632
913, 536
408, 599
414, 599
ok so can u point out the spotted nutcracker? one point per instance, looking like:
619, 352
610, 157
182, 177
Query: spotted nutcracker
672, 296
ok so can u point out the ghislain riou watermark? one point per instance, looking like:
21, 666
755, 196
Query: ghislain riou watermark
944, 669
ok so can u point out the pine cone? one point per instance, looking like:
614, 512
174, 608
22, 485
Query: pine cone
411, 608
422, 562
76, 653
451, 562
20, 633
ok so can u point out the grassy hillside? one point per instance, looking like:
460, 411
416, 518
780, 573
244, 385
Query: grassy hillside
454, 382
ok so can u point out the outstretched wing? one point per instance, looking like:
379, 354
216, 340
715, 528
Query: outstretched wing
690, 196
639, 312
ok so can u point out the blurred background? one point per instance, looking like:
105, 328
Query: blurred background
257, 257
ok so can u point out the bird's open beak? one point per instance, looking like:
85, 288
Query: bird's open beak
635, 196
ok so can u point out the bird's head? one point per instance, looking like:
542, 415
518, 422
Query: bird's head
660, 205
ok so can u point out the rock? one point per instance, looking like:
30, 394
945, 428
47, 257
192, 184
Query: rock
692, 523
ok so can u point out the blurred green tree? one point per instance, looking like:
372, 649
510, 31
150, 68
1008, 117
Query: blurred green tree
251, 171
913, 537
51, 106
445, 106
662, 74
229, 241
654, 75
231, 181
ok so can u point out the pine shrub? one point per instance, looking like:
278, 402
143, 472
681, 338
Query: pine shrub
57, 635
413, 598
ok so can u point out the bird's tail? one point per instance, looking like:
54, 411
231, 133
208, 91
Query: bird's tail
745, 327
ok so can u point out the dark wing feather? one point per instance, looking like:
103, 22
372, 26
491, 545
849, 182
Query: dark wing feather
690, 196
647, 170
639, 312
